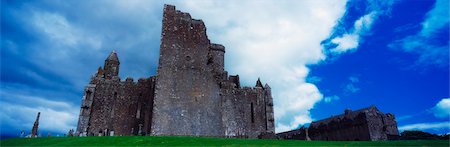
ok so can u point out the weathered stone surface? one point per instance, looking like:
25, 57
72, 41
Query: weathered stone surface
364, 124
187, 94
297, 134
111, 106
191, 94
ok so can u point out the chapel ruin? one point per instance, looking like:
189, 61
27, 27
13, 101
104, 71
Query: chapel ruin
369, 124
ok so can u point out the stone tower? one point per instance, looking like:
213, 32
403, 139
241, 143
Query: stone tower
111, 68
34, 130
185, 79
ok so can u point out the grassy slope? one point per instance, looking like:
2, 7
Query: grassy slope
200, 141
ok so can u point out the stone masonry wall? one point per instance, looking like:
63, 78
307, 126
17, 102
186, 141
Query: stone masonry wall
345, 129
122, 107
187, 94
248, 111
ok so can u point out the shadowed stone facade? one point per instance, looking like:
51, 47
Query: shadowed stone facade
297, 134
364, 124
191, 94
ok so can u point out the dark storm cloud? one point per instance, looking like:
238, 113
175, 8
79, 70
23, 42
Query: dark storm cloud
49, 50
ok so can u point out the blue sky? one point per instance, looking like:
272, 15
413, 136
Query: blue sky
319, 57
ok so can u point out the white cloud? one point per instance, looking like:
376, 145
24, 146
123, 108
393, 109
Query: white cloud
424, 43
60, 31
345, 43
274, 41
442, 108
436, 19
350, 41
329, 99
426, 126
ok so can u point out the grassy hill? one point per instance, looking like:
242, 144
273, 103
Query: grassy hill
200, 141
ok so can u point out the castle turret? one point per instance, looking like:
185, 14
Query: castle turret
216, 57
111, 68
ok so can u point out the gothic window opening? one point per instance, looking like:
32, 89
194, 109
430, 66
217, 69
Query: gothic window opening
88, 94
252, 112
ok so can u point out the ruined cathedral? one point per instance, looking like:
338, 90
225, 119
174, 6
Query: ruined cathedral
191, 94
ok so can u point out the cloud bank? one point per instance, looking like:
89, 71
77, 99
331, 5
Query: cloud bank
49, 50
442, 108
347, 37
18, 112
431, 42
274, 41
426, 126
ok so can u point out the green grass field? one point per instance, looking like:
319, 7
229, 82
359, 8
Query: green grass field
200, 141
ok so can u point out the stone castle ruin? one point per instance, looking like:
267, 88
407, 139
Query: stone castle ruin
368, 124
191, 94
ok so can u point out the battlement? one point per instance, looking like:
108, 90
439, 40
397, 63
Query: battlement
182, 22
217, 47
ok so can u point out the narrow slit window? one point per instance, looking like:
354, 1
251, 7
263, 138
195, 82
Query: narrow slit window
138, 113
252, 113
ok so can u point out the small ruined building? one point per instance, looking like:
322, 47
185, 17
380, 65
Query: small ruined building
364, 124
191, 94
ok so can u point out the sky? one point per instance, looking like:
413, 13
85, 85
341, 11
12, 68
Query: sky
320, 57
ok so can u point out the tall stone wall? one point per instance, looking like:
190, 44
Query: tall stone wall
86, 109
187, 96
